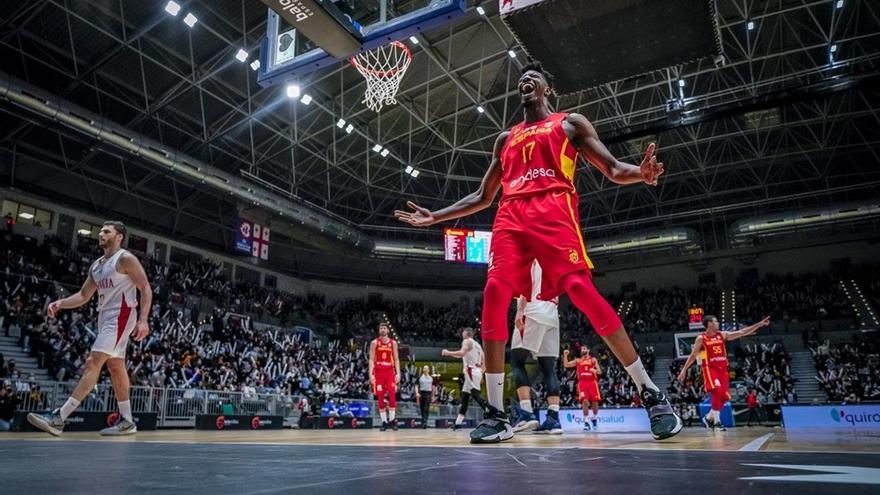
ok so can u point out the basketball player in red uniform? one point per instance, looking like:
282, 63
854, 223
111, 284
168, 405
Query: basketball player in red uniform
588, 371
534, 164
712, 349
385, 375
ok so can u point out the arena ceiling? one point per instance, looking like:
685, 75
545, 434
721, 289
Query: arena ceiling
787, 119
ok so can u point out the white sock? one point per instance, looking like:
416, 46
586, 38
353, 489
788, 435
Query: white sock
716, 416
640, 375
526, 405
553, 407
68, 407
125, 410
383, 415
459, 419
495, 386
392, 413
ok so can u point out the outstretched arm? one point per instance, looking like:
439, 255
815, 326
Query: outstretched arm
698, 345
586, 141
465, 348
476, 201
745, 332
75, 300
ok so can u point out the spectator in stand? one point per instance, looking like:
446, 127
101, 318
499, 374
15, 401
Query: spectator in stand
8, 405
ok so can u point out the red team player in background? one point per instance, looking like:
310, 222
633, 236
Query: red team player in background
588, 371
534, 165
712, 348
385, 375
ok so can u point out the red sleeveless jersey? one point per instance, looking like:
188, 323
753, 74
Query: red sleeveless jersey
714, 352
537, 157
586, 369
384, 359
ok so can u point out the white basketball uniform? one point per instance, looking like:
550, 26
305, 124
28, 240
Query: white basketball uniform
472, 368
540, 334
117, 306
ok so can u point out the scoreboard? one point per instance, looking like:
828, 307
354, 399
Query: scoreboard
466, 245
695, 318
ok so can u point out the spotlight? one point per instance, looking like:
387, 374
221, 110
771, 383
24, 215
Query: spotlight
306, 99
190, 20
172, 8
349, 128
481, 11
385, 152
409, 169
481, 109
413, 40
340, 123
255, 64
241, 55
293, 91
415, 173
511, 53
750, 26
377, 148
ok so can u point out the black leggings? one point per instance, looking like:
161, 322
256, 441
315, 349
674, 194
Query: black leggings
425, 404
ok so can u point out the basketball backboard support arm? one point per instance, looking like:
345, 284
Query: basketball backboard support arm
437, 13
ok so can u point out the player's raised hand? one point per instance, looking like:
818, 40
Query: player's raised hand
765, 321
418, 217
444, 352
651, 169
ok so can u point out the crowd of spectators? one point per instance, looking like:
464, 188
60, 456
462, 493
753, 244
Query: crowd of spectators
190, 350
847, 371
793, 297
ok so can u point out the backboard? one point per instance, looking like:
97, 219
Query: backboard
357, 25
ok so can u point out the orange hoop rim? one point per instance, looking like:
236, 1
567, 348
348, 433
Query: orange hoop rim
381, 73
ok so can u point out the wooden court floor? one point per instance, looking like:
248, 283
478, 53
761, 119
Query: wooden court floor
739, 461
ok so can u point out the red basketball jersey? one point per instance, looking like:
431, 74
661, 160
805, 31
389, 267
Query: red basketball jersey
537, 157
714, 352
384, 359
586, 369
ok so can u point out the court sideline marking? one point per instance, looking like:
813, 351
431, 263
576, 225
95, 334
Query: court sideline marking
756, 444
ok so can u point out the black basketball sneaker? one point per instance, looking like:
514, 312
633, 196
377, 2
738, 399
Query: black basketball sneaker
665, 422
494, 428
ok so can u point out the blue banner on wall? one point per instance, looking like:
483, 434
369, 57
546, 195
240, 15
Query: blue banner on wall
624, 419
244, 235
862, 416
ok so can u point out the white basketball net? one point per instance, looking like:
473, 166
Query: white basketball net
383, 68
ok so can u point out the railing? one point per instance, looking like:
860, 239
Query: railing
178, 407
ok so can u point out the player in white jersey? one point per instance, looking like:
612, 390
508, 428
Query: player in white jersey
536, 335
116, 276
471, 354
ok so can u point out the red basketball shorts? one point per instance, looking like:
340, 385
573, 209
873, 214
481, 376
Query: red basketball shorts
589, 391
543, 227
717, 384
385, 386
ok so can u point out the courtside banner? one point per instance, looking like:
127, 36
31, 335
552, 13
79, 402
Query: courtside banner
508, 6
448, 422
90, 421
863, 416
618, 420
344, 423
409, 422
238, 422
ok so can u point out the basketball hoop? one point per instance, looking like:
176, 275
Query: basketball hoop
382, 68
